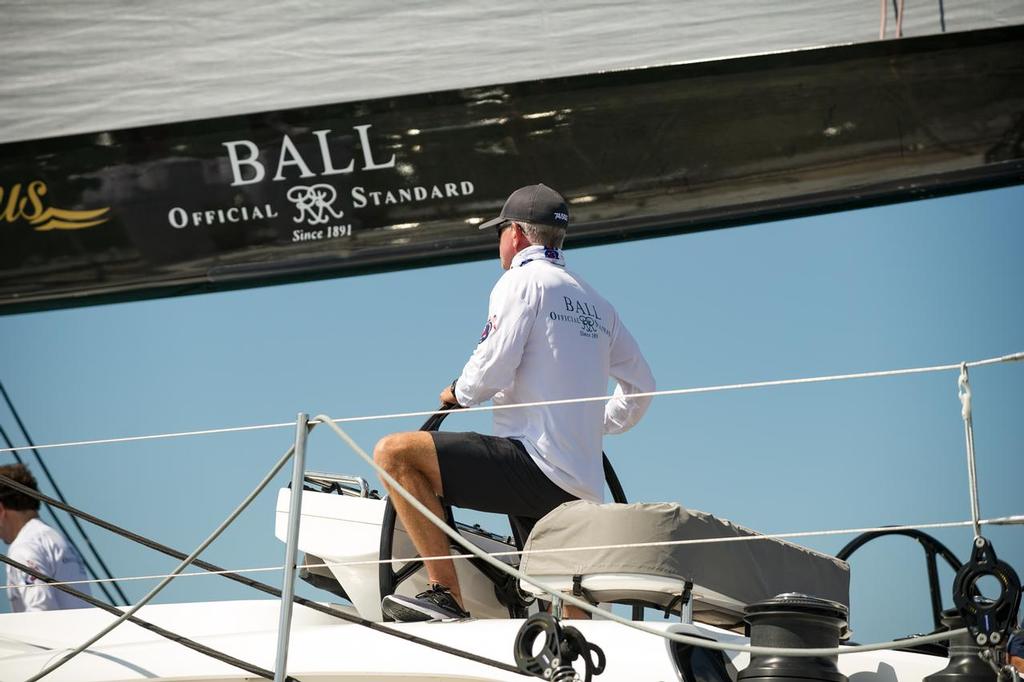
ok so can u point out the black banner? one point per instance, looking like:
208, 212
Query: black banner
390, 183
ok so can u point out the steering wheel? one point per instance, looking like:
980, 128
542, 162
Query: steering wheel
932, 548
506, 588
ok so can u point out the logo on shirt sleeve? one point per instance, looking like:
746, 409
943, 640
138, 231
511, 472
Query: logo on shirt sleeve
492, 324
31, 579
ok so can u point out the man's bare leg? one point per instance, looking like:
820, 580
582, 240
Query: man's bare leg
412, 460
571, 612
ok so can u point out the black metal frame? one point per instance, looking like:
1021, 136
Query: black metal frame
932, 548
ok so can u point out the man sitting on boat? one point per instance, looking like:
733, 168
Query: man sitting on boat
36, 545
549, 336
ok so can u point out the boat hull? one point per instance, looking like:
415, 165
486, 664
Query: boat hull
325, 648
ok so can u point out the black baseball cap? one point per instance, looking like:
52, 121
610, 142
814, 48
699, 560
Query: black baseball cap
537, 204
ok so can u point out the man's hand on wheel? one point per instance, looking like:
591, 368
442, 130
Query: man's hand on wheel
448, 396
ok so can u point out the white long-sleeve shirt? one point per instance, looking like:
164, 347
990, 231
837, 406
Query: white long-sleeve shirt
551, 336
44, 549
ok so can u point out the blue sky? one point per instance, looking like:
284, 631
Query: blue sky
914, 284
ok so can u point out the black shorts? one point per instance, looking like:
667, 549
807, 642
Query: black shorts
494, 474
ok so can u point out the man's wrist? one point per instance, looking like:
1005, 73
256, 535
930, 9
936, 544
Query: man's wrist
454, 396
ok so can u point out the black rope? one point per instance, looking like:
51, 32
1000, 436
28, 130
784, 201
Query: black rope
56, 519
262, 587
56, 489
174, 637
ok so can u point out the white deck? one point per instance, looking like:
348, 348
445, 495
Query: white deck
325, 648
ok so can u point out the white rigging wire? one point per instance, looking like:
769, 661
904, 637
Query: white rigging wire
1000, 521
1013, 357
964, 392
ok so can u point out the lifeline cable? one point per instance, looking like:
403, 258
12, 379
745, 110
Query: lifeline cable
174, 637
56, 489
262, 587
1012, 357
586, 606
63, 530
999, 521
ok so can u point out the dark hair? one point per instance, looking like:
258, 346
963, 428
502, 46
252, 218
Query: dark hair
13, 499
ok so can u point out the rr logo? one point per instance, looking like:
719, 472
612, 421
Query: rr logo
314, 203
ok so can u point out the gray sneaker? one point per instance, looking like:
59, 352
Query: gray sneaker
436, 603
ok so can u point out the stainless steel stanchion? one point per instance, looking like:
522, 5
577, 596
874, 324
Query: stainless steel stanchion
284, 625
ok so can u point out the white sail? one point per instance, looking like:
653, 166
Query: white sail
68, 68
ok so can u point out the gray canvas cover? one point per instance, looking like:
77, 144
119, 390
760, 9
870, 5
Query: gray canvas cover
746, 571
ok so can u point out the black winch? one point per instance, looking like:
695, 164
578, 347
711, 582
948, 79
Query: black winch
796, 621
965, 662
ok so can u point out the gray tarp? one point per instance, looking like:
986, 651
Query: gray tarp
745, 571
